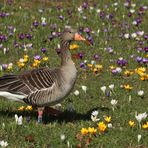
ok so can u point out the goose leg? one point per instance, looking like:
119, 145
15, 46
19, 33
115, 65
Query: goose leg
40, 114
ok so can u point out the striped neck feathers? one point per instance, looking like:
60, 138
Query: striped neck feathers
65, 53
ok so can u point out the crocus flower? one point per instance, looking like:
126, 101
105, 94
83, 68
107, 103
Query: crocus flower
76, 93
19, 120
84, 131
139, 137
92, 130
62, 137
111, 86
140, 93
37, 57
4, 66
145, 125
84, 88
35, 23
131, 123
43, 50
3, 143
102, 127
114, 103
121, 62
140, 117
103, 88
107, 118
94, 116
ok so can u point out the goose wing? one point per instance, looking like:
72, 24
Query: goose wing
28, 82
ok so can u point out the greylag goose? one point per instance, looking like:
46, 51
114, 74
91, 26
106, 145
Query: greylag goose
44, 87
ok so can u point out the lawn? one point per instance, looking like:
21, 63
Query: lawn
108, 105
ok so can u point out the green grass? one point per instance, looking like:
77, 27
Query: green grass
47, 135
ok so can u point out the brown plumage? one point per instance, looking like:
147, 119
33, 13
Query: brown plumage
44, 87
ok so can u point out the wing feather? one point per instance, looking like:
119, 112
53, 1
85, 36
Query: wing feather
28, 82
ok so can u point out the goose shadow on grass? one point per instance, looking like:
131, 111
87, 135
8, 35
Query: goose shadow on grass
66, 116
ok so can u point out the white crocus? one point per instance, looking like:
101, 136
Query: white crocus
140, 117
94, 116
62, 137
98, 10
4, 50
76, 93
126, 36
132, 10
103, 88
3, 143
139, 137
111, 86
109, 125
84, 88
43, 19
1, 68
140, 33
114, 103
93, 62
19, 120
133, 35
95, 113
119, 69
140, 93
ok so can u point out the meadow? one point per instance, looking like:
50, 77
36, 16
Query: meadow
108, 105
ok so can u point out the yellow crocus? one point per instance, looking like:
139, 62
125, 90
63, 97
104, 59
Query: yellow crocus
21, 108
127, 87
84, 131
107, 118
102, 126
128, 73
45, 58
20, 64
74, 46
145, 126
92, 130
131, 123
29, 108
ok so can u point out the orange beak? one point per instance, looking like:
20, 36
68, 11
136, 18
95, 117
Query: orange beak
78, 37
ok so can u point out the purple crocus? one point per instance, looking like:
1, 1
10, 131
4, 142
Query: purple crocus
28, 36
96, 56
139, 59
145, 60
15, 44
80, 55
102, 14
43, 50
21, 36
61, 17
87, 30
3, 37
4, 66
121, 62
146, 37
37, 57
35, 23
82, 65
85, 5
114, 71
50, 37
1, 45
146, 49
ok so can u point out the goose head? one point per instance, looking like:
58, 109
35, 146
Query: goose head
72, 35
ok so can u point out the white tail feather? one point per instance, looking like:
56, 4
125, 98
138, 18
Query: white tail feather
11, 96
